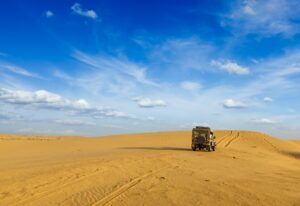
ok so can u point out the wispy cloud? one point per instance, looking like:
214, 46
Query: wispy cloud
31, 131
76, 8
113, 64
62, 75
264, 121
248, 10
264, 17
17, 70
276, 74
151, 118
75, 122
148, 103
191, 86
183, 54
230, 67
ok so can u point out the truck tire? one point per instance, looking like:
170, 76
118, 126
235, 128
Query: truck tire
194, 148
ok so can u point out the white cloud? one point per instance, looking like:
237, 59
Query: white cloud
268, 99
230, 67
48, 100
40, 98
147, 102
18, 70
190, 86
115, 114
49, 14
76, 8
81, 104
234, 104
264, 121
74, 122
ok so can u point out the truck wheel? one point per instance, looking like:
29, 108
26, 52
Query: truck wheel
194, 148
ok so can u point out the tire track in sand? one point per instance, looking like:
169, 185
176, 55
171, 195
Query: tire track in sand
232, 140
224, 137
124, 188
52, 191
271, 144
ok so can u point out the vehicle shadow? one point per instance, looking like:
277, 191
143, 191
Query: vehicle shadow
160, 148
293, 154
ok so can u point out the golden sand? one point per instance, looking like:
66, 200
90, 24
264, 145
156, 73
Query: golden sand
248, 168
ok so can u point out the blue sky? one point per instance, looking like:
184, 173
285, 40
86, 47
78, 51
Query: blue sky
112, 66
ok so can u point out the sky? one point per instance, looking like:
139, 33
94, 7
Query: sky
83, 67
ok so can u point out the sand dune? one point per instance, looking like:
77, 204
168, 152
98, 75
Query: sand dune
248, 168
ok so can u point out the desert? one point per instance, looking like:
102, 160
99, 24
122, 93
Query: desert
150, 103
159, 168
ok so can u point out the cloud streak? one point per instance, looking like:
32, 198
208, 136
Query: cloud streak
76, 8
190, 86
113, 64
149, 103
264, 121
18, 70
74, 122
263, 17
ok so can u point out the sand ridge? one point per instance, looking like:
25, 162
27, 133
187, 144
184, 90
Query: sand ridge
248, 168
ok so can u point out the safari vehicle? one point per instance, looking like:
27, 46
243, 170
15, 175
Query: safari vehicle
203, 138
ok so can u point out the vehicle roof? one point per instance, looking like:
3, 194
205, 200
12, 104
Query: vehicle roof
201, 127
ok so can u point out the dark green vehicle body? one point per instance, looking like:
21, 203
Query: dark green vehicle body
203, 138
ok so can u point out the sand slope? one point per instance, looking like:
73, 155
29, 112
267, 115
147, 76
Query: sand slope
248, 168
